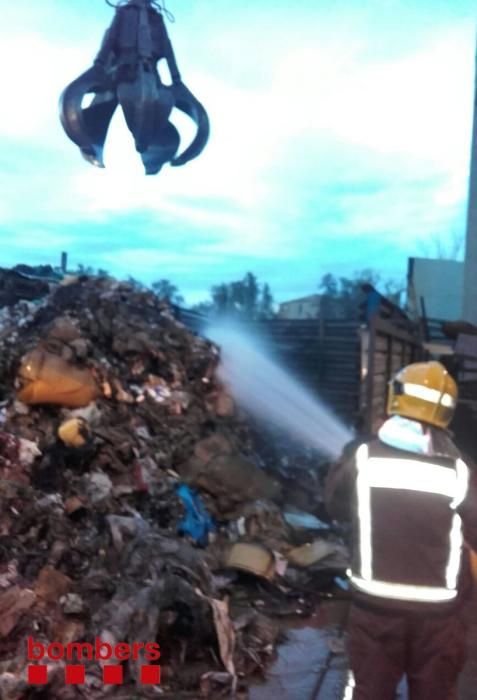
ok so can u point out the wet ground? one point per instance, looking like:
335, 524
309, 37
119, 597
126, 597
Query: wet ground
468, 679
312, 664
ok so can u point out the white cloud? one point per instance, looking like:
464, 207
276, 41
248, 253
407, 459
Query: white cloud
323, 107
36, 71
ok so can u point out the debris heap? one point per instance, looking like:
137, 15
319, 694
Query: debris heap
137, 504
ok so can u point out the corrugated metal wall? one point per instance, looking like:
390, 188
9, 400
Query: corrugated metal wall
390, 349
340, 382
325, 355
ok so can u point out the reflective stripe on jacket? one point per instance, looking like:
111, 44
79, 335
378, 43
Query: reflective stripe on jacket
407, 523
406, 512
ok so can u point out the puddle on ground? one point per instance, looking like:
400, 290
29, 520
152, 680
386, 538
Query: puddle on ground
306, 667
312, 663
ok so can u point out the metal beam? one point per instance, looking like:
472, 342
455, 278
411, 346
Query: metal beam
469, 310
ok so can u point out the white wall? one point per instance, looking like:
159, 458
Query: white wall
441, 283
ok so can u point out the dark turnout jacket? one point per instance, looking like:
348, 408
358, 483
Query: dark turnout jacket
413, 515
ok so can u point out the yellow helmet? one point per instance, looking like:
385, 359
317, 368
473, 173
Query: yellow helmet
424, 391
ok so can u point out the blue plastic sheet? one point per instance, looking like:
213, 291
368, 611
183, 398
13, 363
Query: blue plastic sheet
197, 522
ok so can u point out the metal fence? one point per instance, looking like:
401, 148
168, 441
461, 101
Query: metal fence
325, 355
389, 348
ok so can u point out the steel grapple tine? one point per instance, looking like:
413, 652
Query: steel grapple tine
138, 102
190, 105
161, 149
88, 127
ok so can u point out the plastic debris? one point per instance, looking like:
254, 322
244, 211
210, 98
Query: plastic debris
307, 521
99, 487
49, 379
342, 583
197, 523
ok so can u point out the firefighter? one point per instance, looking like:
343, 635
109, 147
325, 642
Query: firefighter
412, 505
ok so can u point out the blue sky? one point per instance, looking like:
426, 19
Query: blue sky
340, 140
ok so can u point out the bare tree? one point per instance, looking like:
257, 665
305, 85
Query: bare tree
450, 248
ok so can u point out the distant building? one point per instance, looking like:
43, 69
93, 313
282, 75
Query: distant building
439, 284
303, 308
312, 306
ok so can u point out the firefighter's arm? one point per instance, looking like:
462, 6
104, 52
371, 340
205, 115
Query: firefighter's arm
468, 512
339, 485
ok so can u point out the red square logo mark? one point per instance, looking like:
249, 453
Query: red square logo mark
150, 675
113, 675
74, 675
37, 675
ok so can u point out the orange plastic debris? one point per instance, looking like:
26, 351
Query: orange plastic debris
48, 378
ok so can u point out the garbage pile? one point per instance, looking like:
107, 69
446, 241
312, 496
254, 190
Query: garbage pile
137, 504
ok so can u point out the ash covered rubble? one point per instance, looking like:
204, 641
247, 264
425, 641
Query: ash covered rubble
138, 504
